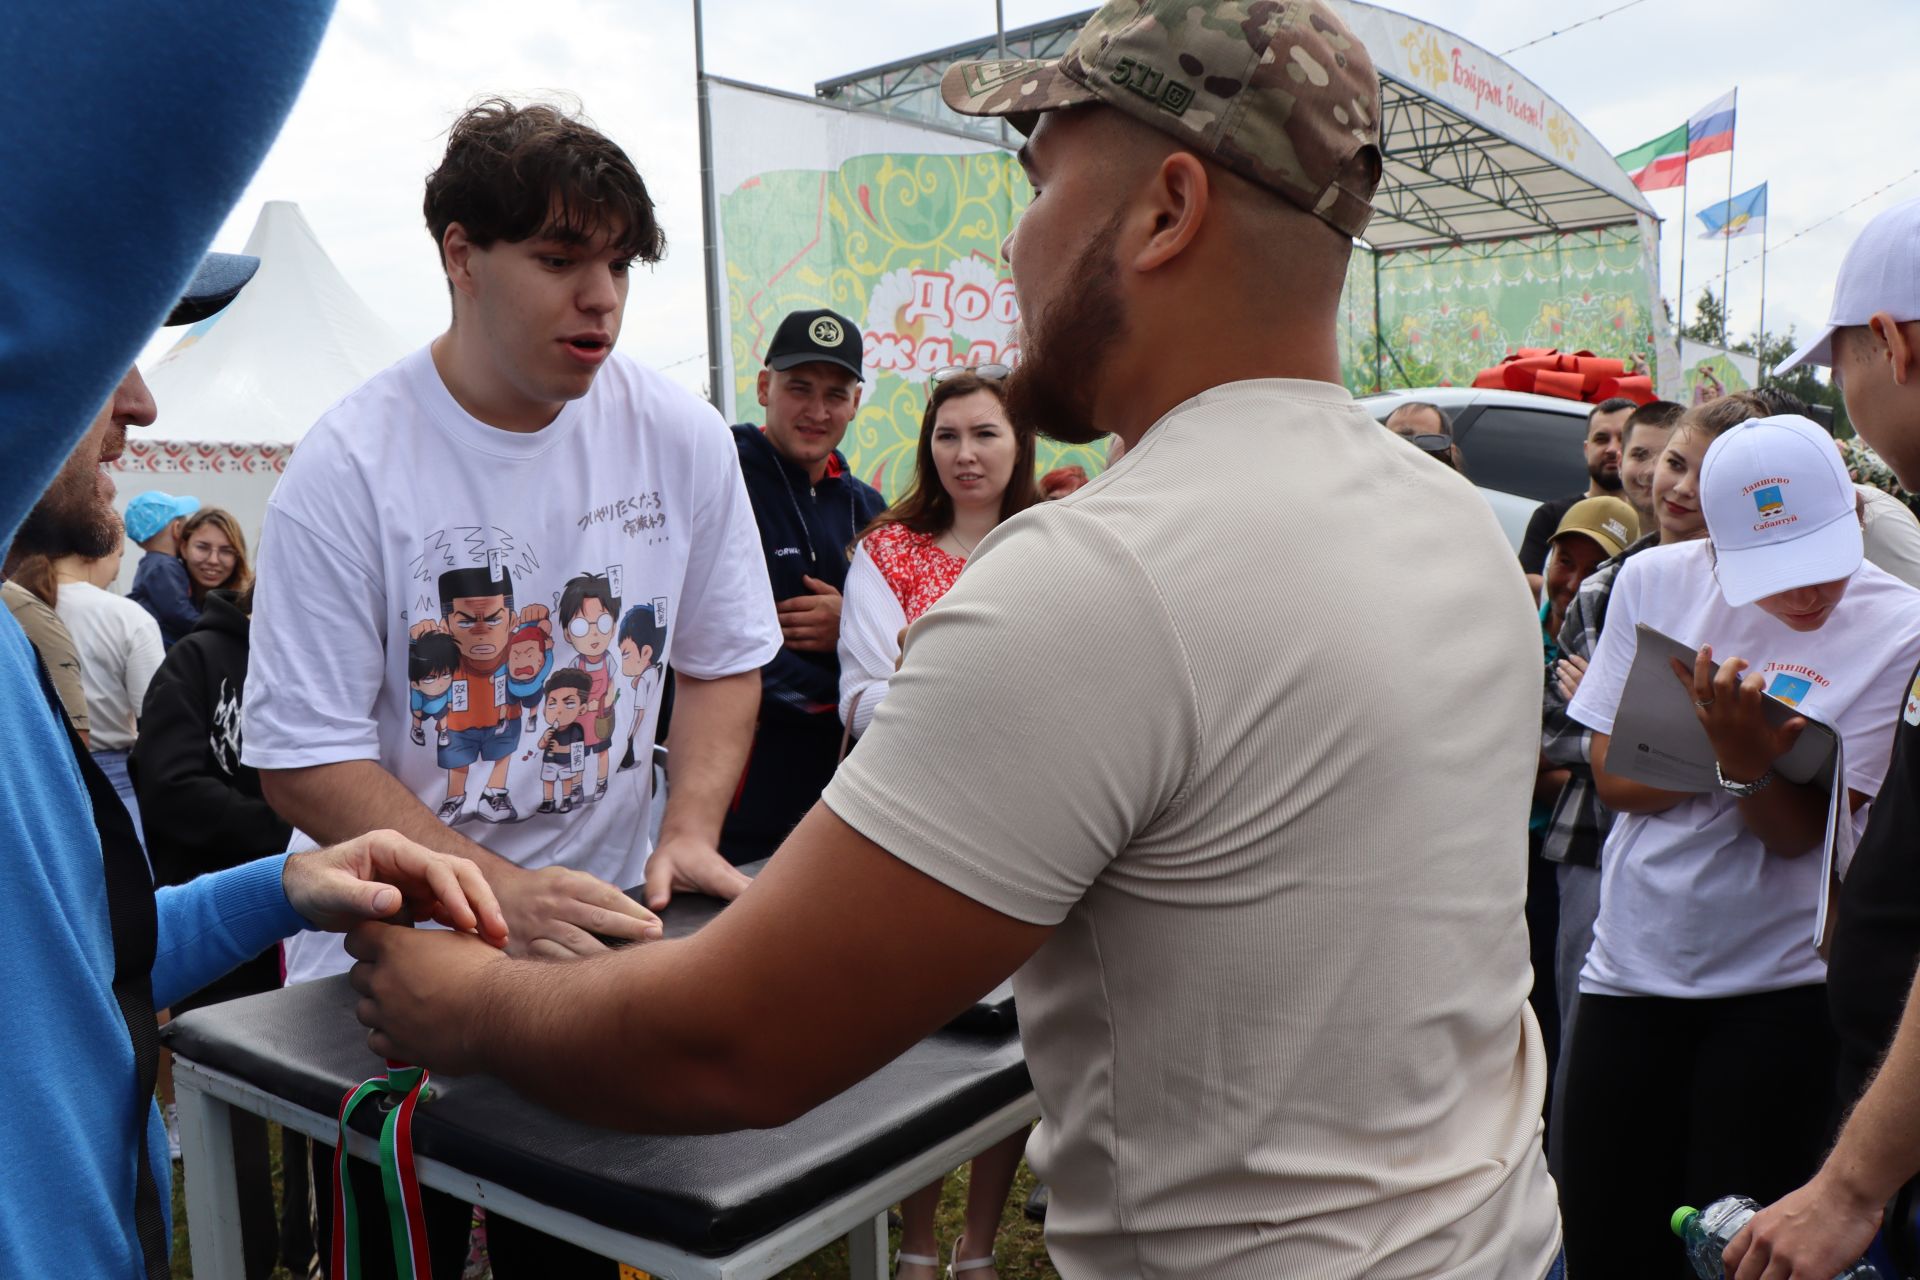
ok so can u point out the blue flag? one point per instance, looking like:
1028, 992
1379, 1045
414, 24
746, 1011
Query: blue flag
1744, 215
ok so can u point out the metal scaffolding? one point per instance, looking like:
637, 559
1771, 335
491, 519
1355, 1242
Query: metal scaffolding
911, 88
1448, 179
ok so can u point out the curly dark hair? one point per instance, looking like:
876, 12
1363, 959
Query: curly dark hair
512, 173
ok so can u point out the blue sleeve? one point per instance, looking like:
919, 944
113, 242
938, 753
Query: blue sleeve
210, 925
165, 592
178, 104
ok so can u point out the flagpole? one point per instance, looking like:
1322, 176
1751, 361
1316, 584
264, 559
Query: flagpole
1000, 52
709, 216
1726, 241
1686, 172
1761, 341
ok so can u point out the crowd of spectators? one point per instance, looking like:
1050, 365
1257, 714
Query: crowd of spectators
340, 703
1700, 1048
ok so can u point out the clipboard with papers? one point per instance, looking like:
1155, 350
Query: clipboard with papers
1658, 740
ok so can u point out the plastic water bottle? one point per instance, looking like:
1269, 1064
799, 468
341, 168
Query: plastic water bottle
1707, 1232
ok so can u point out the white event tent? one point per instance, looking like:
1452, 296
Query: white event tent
239, 389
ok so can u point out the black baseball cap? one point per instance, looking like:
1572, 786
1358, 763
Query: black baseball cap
808, 336
217, 282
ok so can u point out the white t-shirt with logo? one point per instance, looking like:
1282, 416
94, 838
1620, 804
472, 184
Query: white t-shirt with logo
1691, 903
626, 514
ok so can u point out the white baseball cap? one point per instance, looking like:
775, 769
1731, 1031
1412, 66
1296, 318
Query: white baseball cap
1780, 509
1881, 272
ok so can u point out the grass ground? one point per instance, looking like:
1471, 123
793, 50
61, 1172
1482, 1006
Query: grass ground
1022, 1253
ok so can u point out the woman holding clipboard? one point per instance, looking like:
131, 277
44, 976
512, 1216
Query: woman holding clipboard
1702, 1062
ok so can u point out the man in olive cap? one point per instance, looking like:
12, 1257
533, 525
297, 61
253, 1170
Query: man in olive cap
1257, 859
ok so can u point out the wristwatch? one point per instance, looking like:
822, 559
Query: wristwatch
1741, 790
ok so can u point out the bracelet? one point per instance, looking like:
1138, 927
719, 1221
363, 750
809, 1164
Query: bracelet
1741, 790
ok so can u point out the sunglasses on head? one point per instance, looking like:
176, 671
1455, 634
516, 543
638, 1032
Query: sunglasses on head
1434, 445
988, 372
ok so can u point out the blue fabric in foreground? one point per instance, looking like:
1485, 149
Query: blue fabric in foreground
132, 131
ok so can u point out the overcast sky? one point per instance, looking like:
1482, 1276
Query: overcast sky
1817, 118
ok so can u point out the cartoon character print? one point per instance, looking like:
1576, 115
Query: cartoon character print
529, 663
432, 659
589, 607
643, 643
481, 722
563, 746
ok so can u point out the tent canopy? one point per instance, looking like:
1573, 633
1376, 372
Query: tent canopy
1473, 150
296, 339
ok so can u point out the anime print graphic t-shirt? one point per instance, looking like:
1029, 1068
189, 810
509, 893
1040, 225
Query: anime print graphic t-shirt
416, 562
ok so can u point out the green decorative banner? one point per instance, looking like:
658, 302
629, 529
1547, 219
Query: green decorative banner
908, 246
1448, 313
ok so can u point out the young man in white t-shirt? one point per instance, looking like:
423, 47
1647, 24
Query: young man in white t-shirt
1258, 860
514, 486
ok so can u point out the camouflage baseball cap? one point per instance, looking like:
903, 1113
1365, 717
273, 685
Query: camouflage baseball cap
1278, 91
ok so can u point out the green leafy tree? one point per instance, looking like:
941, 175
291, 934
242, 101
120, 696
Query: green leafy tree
1806, 382
1709, 320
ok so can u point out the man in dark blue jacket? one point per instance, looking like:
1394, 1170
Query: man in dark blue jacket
810, 508
160, 583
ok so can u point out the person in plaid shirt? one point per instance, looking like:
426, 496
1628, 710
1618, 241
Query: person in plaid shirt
1579, 823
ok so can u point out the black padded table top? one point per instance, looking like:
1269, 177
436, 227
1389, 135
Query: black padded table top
706, 1195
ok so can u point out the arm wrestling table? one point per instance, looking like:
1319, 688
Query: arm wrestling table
738, 1206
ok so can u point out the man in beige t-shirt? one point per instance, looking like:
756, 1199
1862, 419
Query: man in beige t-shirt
1256, 852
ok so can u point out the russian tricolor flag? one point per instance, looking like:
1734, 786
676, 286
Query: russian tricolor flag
1711, 129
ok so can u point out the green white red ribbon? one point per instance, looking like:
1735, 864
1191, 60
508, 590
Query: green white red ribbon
405, 1221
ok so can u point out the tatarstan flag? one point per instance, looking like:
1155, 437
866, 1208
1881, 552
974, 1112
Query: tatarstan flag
1657, 165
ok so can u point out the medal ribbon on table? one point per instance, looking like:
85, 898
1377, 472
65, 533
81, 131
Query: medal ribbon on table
405, 1220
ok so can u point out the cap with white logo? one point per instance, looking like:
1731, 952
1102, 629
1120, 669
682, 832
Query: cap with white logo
1608, 521
1780, 509
1881, 272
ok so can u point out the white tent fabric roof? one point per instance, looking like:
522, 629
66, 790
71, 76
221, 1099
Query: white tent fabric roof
296, 339
1473, 149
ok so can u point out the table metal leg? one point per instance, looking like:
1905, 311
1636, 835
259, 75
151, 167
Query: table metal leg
867, 1250
213, 1190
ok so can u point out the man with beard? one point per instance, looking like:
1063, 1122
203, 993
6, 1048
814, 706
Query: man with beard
1604, 427
1274, 1010
91, 948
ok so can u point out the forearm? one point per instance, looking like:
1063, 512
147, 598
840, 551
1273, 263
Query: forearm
1622, 795
213, 923
1790, 818
1879, 1147
336, 802
706, 751
681, 1065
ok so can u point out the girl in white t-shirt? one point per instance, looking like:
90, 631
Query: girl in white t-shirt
1702, 1062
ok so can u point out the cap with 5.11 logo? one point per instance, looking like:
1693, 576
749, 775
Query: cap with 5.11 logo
808, 337
1283, 94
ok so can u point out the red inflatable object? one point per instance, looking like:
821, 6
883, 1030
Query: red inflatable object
1577, 375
